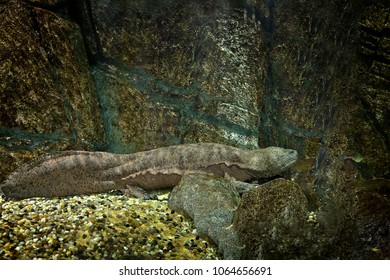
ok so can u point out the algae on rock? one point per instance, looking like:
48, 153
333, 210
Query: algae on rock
46, 86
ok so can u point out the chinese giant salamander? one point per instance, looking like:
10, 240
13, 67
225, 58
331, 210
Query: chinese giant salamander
80, 172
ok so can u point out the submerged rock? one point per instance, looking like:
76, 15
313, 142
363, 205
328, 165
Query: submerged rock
211, 203
270, 221
370, 210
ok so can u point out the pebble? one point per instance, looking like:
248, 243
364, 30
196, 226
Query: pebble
103, 226
312, 218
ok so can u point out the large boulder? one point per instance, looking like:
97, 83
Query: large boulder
271, 220
211, 203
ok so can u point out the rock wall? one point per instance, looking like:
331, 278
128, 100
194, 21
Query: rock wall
199, 67
326, 90
47, 95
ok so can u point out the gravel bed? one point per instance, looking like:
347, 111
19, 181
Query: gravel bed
102, 226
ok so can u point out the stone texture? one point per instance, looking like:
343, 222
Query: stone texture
133, 121
320, 76
47, 97
270, 221
273, 222
211, 203
48, 3
326, 94
369, 222
204, 51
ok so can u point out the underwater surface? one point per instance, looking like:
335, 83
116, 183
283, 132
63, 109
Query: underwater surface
126, 76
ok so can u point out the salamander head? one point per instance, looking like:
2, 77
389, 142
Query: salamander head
273, 160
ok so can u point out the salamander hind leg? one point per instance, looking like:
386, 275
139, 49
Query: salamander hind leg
137, 192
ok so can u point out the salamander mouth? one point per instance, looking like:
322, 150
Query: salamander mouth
290, 162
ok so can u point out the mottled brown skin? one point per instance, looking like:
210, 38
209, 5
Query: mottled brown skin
79, 172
